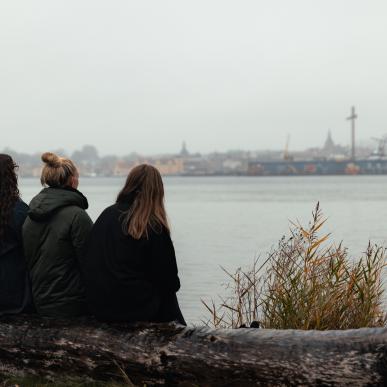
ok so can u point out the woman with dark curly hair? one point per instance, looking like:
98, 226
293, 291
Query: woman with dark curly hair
15, 293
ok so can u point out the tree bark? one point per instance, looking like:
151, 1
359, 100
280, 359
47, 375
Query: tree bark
157, 354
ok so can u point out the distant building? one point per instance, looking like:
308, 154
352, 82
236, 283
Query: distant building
169, 166
332, 150
184, 152
329, 145
122, 168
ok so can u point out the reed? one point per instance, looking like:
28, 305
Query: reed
306, 282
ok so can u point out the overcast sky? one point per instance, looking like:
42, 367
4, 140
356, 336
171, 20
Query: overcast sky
145, 75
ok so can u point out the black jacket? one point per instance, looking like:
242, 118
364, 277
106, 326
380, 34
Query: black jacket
55, 234
15, 291
129, 279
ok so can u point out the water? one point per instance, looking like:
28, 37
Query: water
228, 221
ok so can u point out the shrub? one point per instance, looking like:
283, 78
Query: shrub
306, 282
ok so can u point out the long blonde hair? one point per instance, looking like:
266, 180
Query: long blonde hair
57, 171
144, 188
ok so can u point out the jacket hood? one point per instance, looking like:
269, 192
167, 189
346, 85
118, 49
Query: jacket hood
48, 201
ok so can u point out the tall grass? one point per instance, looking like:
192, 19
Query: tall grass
306, 282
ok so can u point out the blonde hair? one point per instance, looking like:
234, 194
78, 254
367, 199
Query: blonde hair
57, 171
144, 187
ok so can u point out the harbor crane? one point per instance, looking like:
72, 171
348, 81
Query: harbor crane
380, 152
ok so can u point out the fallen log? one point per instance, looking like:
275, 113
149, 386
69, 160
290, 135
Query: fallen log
168, 354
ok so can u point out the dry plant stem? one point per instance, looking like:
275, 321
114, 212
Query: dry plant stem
307, 282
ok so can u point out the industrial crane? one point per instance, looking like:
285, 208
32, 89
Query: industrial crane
380, 152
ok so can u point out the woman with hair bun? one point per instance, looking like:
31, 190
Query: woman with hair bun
15, 292
55, 234
130, 268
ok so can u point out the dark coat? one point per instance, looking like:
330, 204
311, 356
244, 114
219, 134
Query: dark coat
55, 234
129, 279
15, 291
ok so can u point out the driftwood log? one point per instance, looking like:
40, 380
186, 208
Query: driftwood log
167, 354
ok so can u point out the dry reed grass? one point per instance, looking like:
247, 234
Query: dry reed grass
306, 282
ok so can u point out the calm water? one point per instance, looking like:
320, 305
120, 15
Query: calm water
229, 221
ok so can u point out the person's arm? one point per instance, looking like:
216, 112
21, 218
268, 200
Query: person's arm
20, 217
164, 271
80, 230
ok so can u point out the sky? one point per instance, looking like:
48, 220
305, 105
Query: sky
143, 76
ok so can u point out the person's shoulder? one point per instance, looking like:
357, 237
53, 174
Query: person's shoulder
20, 209
74, 215
21, 206
111, 212
72, 210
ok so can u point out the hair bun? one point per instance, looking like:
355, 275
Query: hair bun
51, 159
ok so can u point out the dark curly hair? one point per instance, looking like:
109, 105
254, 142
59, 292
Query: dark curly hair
9, 192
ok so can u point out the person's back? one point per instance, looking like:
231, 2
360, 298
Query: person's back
15, 292
131, 277
55, 234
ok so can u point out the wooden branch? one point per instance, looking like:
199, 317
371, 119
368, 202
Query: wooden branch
173, 355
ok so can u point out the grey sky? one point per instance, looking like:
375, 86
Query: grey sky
145, 75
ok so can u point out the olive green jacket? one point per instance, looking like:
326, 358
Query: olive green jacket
54, 236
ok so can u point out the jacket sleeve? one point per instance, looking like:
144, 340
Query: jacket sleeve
80, 230
164, 271
20, 217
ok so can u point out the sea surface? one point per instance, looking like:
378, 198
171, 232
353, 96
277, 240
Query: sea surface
229, 221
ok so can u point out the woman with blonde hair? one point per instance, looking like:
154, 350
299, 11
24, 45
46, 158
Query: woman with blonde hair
130, 268
55, 233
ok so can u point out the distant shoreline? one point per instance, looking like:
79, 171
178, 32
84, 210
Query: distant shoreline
29, 177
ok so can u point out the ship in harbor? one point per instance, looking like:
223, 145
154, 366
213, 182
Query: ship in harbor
318, 167
374, 164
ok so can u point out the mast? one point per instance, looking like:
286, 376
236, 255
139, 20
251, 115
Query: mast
352, 118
